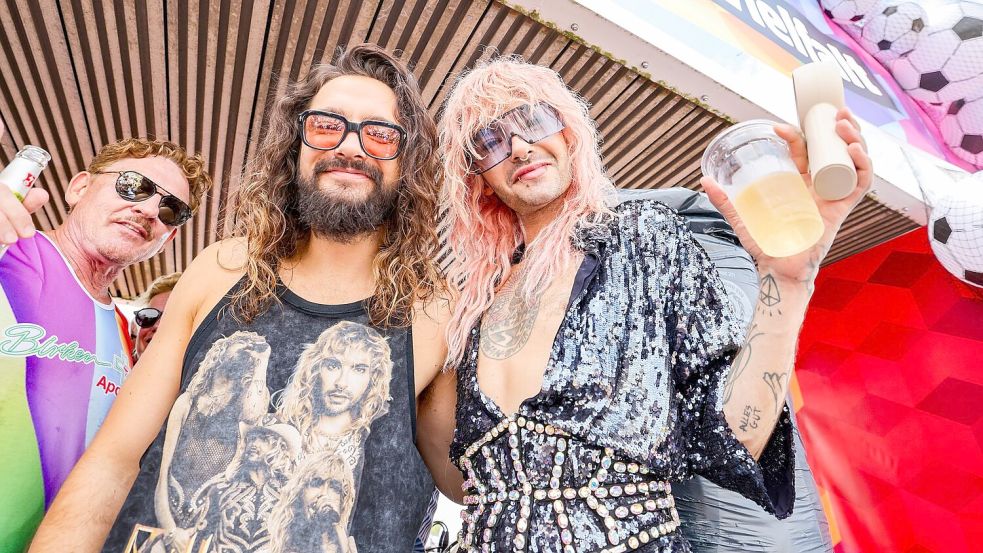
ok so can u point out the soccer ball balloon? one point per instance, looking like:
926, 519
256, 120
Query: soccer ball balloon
846, 12
955, 228
893, 31
936, 56
962, 129
947, 64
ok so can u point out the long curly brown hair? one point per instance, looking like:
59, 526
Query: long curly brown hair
405, 270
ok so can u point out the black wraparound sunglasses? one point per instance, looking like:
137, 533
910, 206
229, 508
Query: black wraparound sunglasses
147, 317
134, 187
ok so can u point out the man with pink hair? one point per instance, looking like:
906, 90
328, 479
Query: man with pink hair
596, 357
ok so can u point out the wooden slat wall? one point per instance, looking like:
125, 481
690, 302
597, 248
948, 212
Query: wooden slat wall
77, 74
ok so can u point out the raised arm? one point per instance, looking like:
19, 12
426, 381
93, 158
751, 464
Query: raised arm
758, 383
87, 505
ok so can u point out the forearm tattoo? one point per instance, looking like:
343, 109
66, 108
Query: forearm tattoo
776, 383
750, 418
769, 300
769, 297
741, 362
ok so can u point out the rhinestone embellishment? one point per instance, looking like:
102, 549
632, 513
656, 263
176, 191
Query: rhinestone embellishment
616, 492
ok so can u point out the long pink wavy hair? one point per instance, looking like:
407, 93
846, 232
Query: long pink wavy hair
481, 231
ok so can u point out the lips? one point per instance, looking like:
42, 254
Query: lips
530, 171
348, 169
349, 173
142, 231
338, 397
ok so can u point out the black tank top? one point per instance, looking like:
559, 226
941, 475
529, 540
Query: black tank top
291, 434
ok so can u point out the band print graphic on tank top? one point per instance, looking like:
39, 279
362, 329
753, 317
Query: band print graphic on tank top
244, 469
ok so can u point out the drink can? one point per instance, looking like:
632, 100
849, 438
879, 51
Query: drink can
23, 171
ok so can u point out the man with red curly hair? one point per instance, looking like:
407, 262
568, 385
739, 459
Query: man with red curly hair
64, 347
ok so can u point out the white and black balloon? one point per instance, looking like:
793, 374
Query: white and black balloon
934, 49
955, 230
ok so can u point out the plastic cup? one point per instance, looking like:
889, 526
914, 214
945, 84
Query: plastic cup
754, 167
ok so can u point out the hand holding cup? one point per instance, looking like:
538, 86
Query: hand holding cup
803, 265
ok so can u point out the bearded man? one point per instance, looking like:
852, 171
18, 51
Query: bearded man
335, 223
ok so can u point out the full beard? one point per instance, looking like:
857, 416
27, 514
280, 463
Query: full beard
340, 218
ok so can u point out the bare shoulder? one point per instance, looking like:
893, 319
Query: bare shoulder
225, 256
433, 312
210, 276
429, 343
220, 265
430, 320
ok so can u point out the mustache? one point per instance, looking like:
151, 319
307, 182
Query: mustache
338, 394
140, 222
325, 165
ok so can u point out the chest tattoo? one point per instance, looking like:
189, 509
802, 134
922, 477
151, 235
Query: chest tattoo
509, 321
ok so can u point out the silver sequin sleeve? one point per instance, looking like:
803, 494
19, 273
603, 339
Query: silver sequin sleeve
704, 337
630, 404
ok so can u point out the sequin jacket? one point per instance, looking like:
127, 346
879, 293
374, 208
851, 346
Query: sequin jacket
631, 402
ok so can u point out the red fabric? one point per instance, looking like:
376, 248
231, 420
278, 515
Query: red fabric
124, 332
890, 369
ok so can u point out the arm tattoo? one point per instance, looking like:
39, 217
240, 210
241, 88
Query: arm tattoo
741, 361
509, 321
769, 296
776, 383
750, 418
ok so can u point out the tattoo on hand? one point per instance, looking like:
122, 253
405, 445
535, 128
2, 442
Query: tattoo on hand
769, 296
776, 383
741, 362
750, 418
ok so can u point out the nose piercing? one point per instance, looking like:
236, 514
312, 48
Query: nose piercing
525, 158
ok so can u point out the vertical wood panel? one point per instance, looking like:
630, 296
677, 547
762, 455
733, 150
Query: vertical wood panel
81, 73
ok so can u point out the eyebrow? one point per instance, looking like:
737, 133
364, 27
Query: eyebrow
371, 117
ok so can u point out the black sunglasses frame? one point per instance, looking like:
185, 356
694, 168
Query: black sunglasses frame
144, 321
350, 126
181, 210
